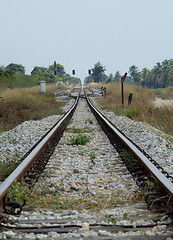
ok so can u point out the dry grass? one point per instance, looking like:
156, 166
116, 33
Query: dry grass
142, 107
79, 203
21, 104
167, 93
141, 96
164, 93
159, 117
19, 94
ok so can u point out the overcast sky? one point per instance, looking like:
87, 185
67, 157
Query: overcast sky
79, 33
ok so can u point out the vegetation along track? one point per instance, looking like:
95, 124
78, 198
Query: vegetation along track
89, 186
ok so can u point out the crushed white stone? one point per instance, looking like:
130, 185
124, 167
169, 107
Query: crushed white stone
154, 142
18, 140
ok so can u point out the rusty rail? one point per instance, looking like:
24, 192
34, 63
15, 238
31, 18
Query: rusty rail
27, 163
163, 179
21, 170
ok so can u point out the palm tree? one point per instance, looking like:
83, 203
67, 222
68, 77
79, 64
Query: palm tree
157, 74
135, 74
145, 75
165, 67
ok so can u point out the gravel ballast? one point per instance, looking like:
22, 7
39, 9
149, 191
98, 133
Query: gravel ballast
87, 172
153, 141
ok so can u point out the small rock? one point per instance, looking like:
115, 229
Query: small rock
85, 225
10, 234
74, 186
52, 234
41, 236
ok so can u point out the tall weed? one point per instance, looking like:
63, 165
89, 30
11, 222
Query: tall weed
21, 104
141, 108
167, 93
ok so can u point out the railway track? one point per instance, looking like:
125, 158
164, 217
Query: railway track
89, 186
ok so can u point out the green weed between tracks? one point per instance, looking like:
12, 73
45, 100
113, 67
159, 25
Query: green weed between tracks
79, 140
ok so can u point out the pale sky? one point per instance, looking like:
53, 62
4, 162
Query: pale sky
79, 33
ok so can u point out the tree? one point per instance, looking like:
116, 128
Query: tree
88, 79
110, 78
16, 67
165, 69
170, 73
144, 76
98, 72
157, 74
6, 77
43, 74
58, 68
117, 77
135, 74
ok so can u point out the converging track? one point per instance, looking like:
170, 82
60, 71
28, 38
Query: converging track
93, 188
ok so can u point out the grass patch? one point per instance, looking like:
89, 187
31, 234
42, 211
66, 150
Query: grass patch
92, 160
133, 112
97, 202
18, 105
6, 168
79, 140
88, 120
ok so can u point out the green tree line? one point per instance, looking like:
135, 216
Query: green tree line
13, 75
160, 76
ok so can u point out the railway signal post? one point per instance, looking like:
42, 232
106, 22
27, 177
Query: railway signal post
122, 88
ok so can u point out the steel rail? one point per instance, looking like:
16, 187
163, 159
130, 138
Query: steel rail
21, 170
154, 171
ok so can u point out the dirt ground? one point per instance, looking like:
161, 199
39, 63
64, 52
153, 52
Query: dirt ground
162, 102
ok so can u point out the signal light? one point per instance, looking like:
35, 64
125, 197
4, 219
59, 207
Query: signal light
89, 71
73, 72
